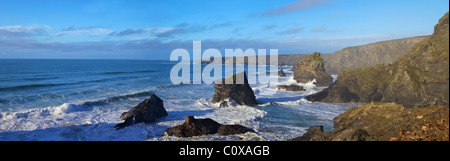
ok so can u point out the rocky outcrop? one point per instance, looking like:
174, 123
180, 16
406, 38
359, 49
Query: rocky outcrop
293, 59
233, 129
223, 104
383, 52
281, 73
311, 68
147, 111
314, 133
419, 78
238, 90
290, 87
385, 122
196, 127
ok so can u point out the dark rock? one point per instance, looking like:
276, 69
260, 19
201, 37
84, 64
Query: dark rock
335, 93
233, 129
224, 104
194, 127
238, 90
147, 111
291, 87
311, 68
314, 133
281, 73
419, 78
360, 135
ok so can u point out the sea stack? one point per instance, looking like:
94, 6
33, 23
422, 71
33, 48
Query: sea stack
281, 73
235, 87
311, 68
147, 111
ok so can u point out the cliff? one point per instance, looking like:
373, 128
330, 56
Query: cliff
384, 52
417, 79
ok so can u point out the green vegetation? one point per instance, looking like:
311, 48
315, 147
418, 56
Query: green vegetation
315, 59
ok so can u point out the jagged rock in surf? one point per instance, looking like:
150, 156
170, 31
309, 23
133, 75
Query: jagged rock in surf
238, 90
147, 111
281, 73
195, 127
233, 129
290, 87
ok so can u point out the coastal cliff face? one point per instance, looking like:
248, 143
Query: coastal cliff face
384, 52
310, 68
351, 58
419, 78
385, 122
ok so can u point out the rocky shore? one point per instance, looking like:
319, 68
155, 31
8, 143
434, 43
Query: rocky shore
408, 100
385, 122
420, 78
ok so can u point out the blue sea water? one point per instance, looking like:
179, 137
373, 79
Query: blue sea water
83, 99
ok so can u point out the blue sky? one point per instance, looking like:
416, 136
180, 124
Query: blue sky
146, 29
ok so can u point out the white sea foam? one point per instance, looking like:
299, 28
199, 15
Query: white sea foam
77, 122
296, 102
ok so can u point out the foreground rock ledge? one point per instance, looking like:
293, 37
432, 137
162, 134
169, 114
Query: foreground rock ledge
385, 122
147, 111
240, 91
196, 127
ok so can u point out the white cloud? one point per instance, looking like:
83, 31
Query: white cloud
159, 29
25, 28
15, 31
293, 7
84, 31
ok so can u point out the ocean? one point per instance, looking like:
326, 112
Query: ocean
82, 100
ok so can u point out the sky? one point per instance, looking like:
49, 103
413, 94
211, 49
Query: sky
152, 29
